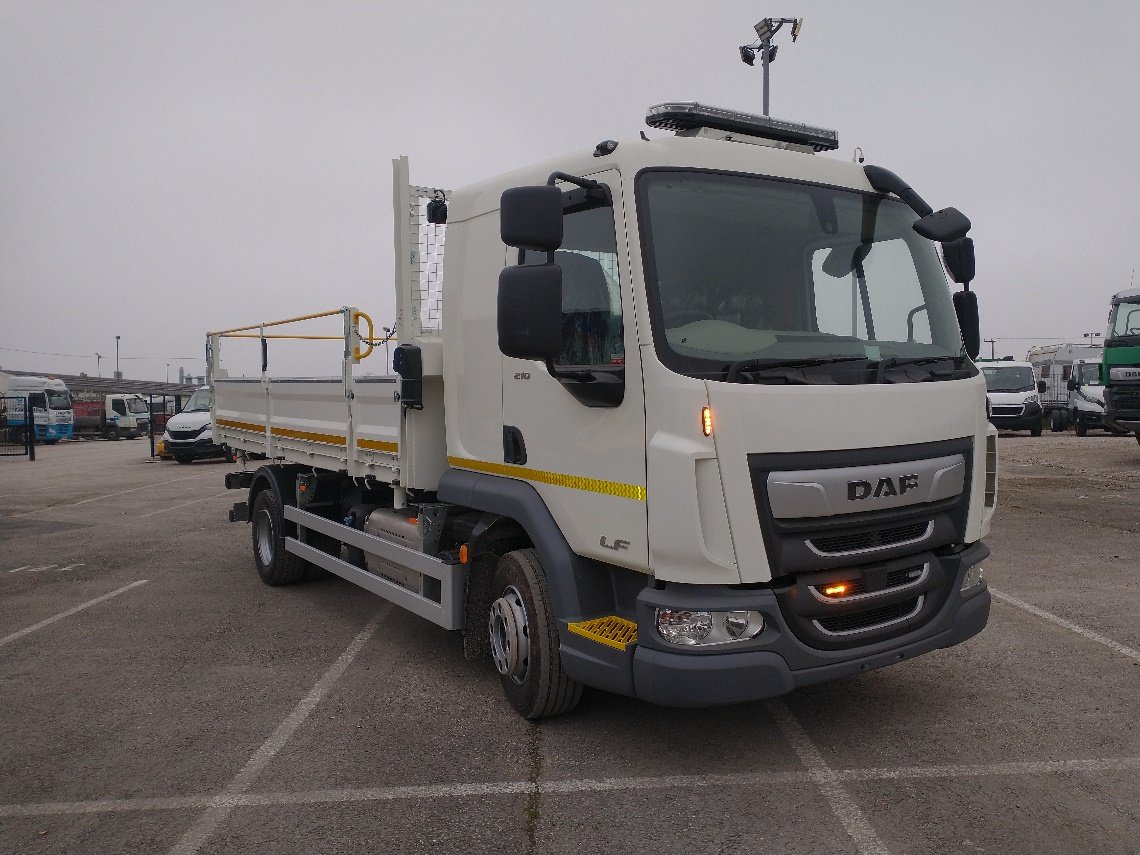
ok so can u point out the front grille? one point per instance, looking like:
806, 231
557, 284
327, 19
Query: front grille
859, 541
871, 619
1007, 410
183, 434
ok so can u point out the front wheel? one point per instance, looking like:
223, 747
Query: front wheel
1038, 426
275, 566
1081, 426
184, 458
524, 639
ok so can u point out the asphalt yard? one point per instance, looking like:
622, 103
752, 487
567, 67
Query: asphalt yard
156, 697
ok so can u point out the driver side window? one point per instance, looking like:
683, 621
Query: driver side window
592, 326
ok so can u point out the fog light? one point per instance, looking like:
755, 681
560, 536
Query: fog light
742, 625
679, 626
973, 577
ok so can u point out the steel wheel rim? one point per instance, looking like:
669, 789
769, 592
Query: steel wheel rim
510, 635
264, 531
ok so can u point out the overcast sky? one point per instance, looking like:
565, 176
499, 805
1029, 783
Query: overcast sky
167, 168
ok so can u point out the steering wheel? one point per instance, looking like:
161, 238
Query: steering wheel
680, 317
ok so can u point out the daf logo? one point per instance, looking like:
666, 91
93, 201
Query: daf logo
857, 490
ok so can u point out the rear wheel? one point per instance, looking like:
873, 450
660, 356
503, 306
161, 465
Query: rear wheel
1056, 421
275, 566
524, 639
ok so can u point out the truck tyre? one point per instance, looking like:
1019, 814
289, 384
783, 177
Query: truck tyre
1082, 427
184, 458
1037, 427
1056, 421
524, 639
275, 566
112, 432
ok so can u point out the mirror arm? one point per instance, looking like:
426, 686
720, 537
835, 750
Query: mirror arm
584, 183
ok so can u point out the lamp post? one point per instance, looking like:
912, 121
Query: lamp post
168, 372
990, 342
98, 363
765, 30
118, 374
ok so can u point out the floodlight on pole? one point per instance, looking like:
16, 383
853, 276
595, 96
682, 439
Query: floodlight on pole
765, 29
118, 376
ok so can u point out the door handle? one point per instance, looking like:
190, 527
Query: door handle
514, 446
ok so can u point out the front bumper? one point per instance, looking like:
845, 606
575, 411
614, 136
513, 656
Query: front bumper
776, 662
1031, 415
193, 447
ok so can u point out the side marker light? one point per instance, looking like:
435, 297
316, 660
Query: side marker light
706, 421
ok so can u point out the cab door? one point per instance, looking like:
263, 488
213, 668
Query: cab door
570, 432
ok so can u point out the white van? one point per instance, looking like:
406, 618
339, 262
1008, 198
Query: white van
1014, 396
188, 436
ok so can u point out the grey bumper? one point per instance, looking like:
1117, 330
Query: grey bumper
777, 661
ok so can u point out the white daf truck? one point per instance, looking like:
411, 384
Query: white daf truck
688, 419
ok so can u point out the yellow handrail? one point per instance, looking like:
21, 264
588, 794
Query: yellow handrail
278, 323
357, 316
356, 354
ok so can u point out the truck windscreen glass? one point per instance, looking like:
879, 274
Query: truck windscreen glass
760, 280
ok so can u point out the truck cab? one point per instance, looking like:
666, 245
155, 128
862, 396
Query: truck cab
1121, 369
1086, 396
1014, 396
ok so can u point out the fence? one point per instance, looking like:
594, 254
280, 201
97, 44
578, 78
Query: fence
17, 436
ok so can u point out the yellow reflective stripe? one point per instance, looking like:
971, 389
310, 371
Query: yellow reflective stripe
286, 433
574, 482
241, 425
377, 445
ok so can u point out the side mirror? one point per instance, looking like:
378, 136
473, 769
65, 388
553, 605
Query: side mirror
531, 218
530, 310
966, 308
943, 226
1072, 385
1041, 386
959, 258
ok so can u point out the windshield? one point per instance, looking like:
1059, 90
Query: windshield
200, 402
137, 405
747, 274
1124, 319
1087, 373
58, 400
1017, 378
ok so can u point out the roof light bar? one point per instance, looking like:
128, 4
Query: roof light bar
690, 115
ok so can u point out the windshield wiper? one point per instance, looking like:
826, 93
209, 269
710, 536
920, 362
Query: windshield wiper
884, 365
735, 369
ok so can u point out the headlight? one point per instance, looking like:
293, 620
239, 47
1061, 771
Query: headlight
973, 577
1033, 399
698, 628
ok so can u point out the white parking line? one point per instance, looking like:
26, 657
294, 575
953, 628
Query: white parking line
183, 505
569, 787
106, 496
223, 805
15, 635
840, 801
1069, 625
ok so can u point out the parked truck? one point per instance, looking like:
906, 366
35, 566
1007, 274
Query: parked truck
1121, 368
688, 419
1065, 401
1014, 396
112, 416
49, 401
